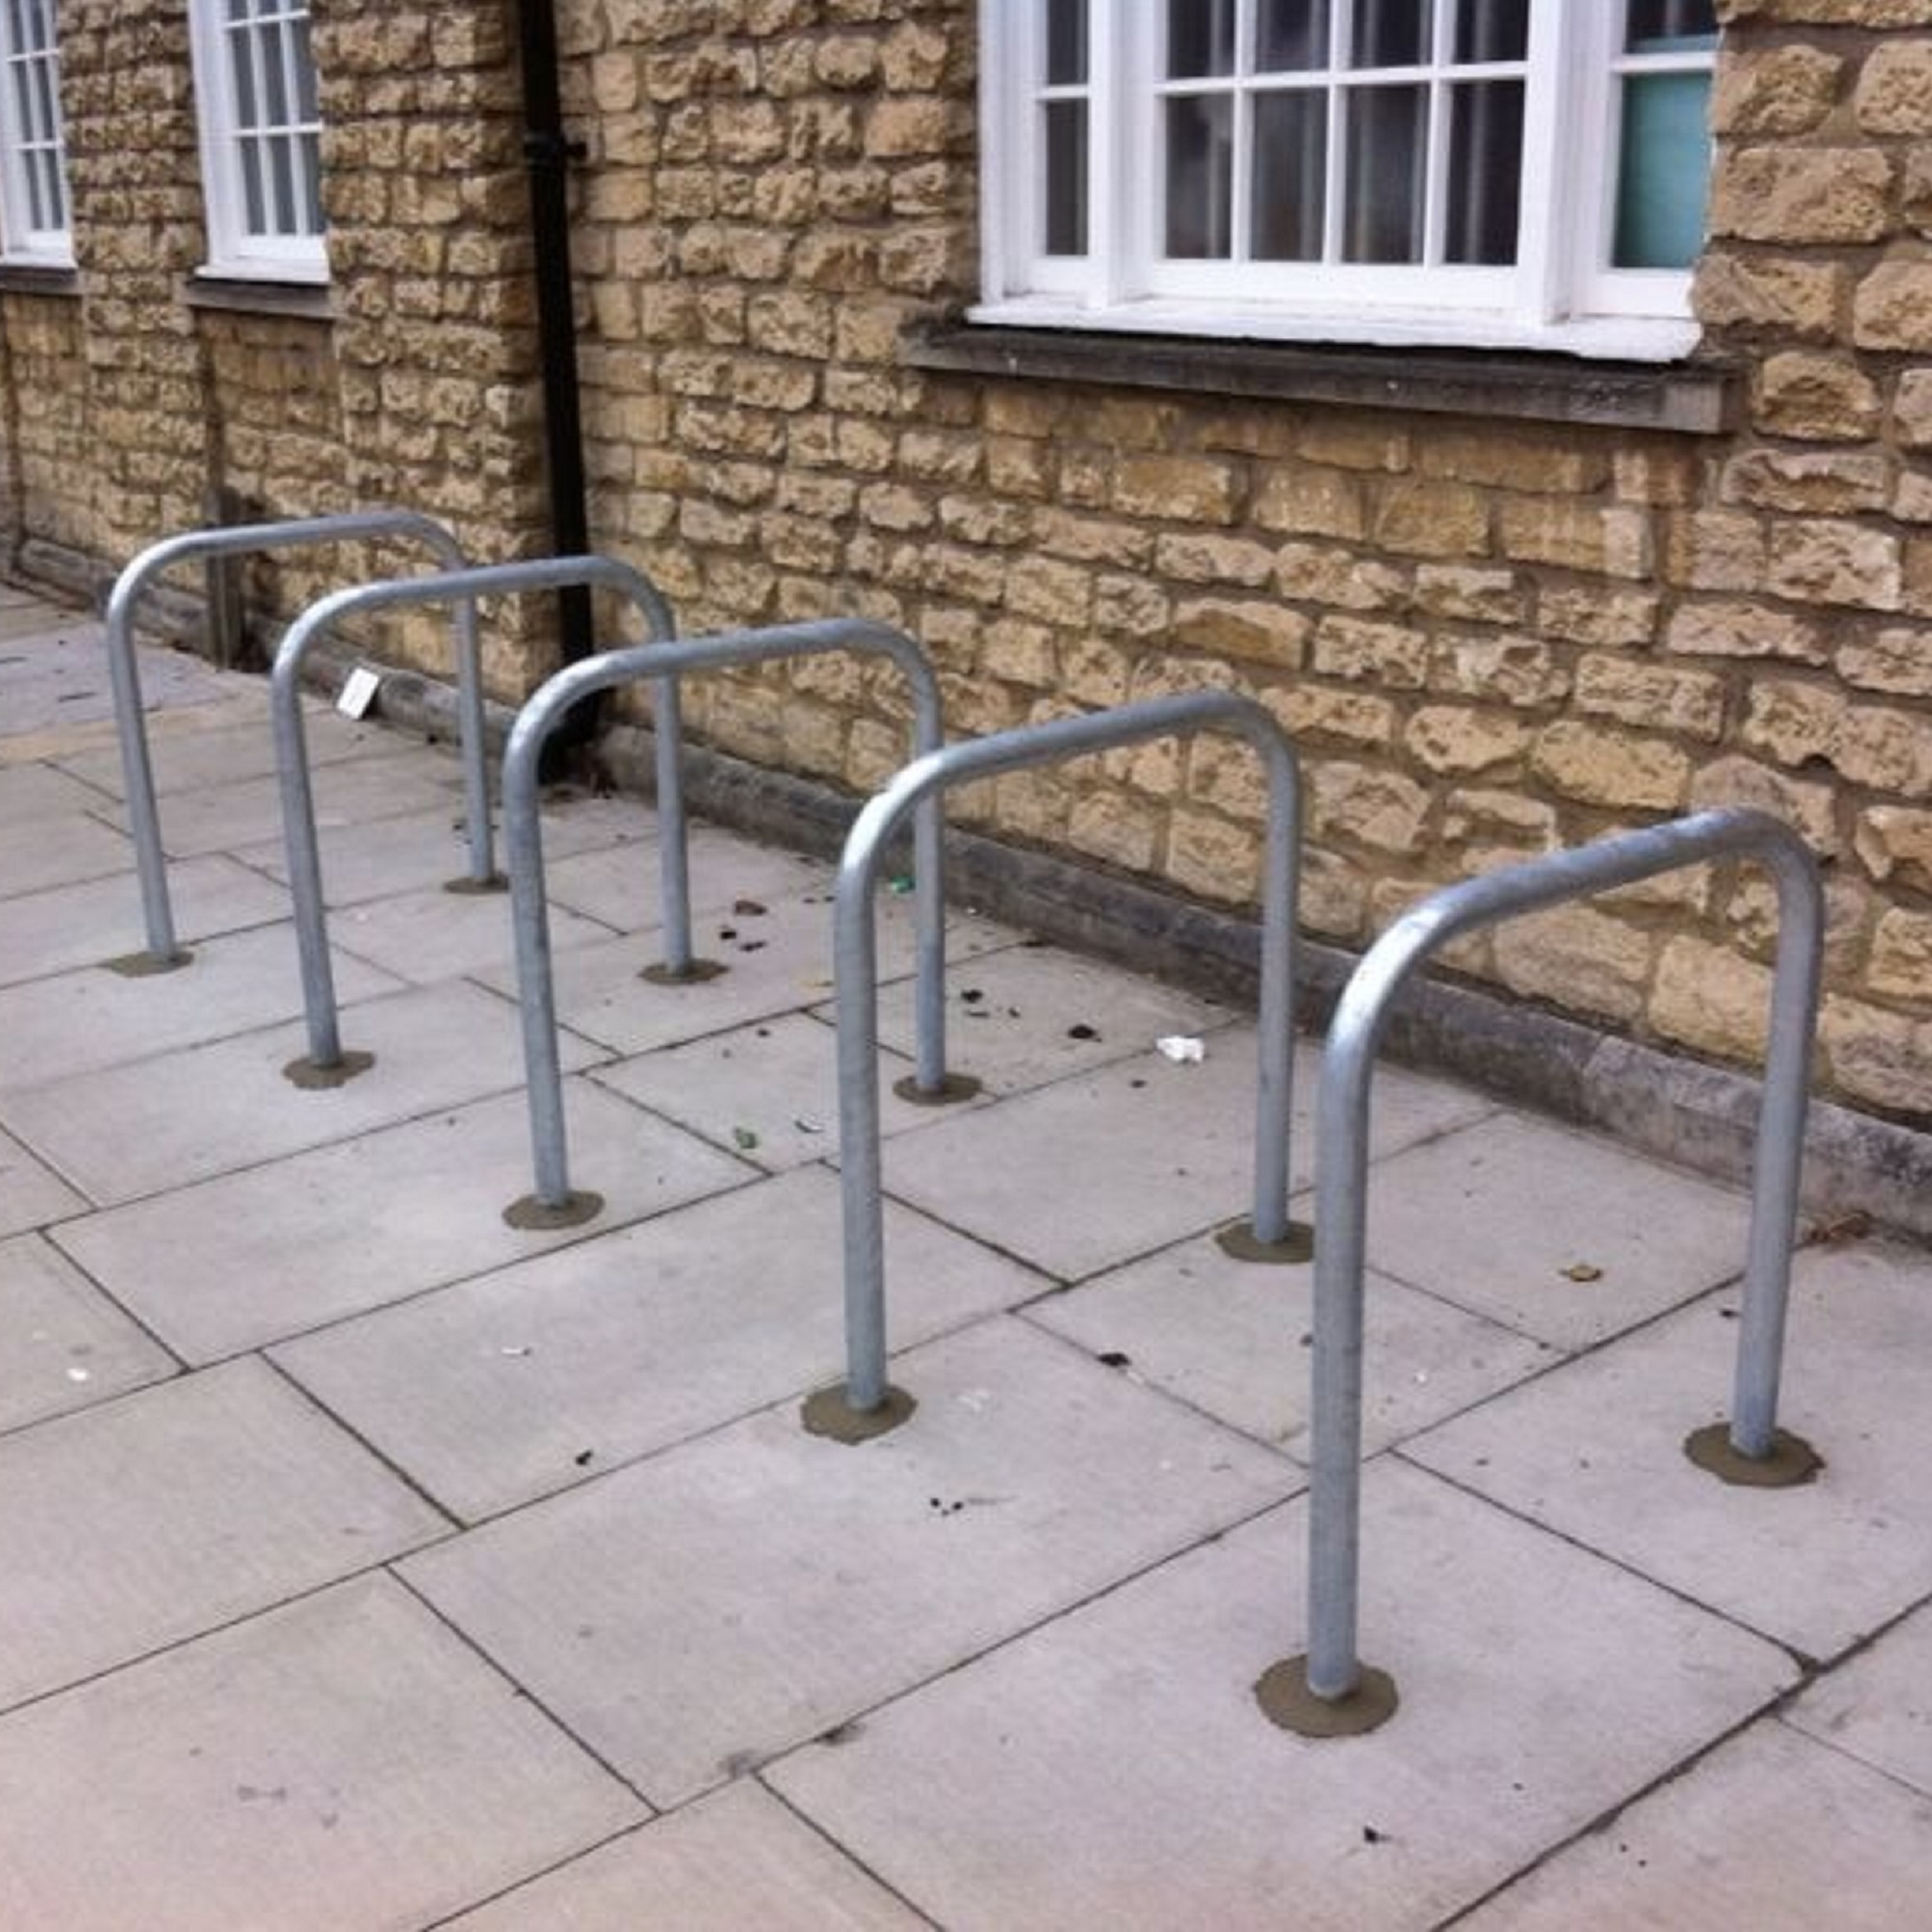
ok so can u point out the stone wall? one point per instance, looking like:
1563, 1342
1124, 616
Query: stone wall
1489, 640
143, 401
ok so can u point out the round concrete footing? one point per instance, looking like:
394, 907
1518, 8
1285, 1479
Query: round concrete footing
468, 888
1286, 1700
694, 974
1792, 1460
313, 1079
951, 1088
827, 1412
1238, 1241
148, 965
537, 1217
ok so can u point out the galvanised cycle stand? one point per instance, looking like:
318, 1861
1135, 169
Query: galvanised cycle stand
554, 1203
164, 952
326, 1064
1328, 1691
866, 1404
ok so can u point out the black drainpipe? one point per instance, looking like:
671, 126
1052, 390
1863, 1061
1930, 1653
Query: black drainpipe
548, 152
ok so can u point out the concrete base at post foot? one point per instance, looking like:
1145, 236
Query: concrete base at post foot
1791, 1463
953, 1088
1238, 1241
827, 1412
313, 1079
539, 1217
148, 965
694, 974
1287, 1702
468, 888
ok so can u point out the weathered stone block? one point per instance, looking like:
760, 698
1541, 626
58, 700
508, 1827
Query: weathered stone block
1637, 693
1420, 518
1247, 630
1800, 194
1769, 294
1453, 740
1507, 669
1599, 615
1786, 90
1821, 482
1177, 489
1715, 550
1369, 806
1471, 593
1385, 653
1894, 844
1302, 501
1894, 91
1611, 768
1210, 857
1829, 562
1882, 1059
1199, 558
1825, 398
1809, 809
1901, 956
1338, 578
1316, 714
1737, 630
1893, 307
1578, 957
1711, 999
1575, 536
1898, 659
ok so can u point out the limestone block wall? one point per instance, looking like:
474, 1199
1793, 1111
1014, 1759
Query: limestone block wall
1490, 639
141, 402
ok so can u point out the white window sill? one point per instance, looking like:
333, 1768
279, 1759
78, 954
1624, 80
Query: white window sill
1600, 338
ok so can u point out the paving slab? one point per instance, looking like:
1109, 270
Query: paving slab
226, 753
1114, 1163
1878, 1704
66, 926
1112, 1768
124, 1131
620, 887
419, 849
31, 1196
1231, 1338
1766, 1831
254, 1257
358, 792
30, 793
1030, 1014
54, 676
778, 959
62, 1345
142, 1521
735, 1860
432, 934
1556, 1233
776, 1080
75, 1022
805, 1581
538, 1377
342, 1762
59, 851
1595, 1450
223, 702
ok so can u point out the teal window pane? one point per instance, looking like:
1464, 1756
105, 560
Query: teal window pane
1663, 166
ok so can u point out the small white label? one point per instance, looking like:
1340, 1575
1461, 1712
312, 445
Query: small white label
358, 692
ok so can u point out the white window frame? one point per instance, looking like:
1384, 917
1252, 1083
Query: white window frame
27, 145
1562, 293
234, 248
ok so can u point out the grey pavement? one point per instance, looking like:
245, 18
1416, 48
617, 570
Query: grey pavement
367, 1561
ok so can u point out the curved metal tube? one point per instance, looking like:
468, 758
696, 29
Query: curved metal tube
524, 838
465, 587
855, 969
1341, 1187
125, 676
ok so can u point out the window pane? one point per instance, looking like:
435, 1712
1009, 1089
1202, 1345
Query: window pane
1387, 151
1389, 33
247, 114
1291, 34
1485, 173
45, 117
1200, 38
1492, 30
50, 166
281, 168
1660, 26
254, 219
304, 66
1291, 177
1065, 177
40, 35
1663, 166
1200, 176
1065, 43
274, 90
311, 155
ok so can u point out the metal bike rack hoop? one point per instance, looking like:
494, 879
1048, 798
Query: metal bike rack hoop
163, 952
864, 1404
326, 1064
1330, 1691
554, 1203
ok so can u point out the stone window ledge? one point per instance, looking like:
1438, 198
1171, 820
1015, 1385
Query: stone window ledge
1694, 400
308, 302
32, 278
